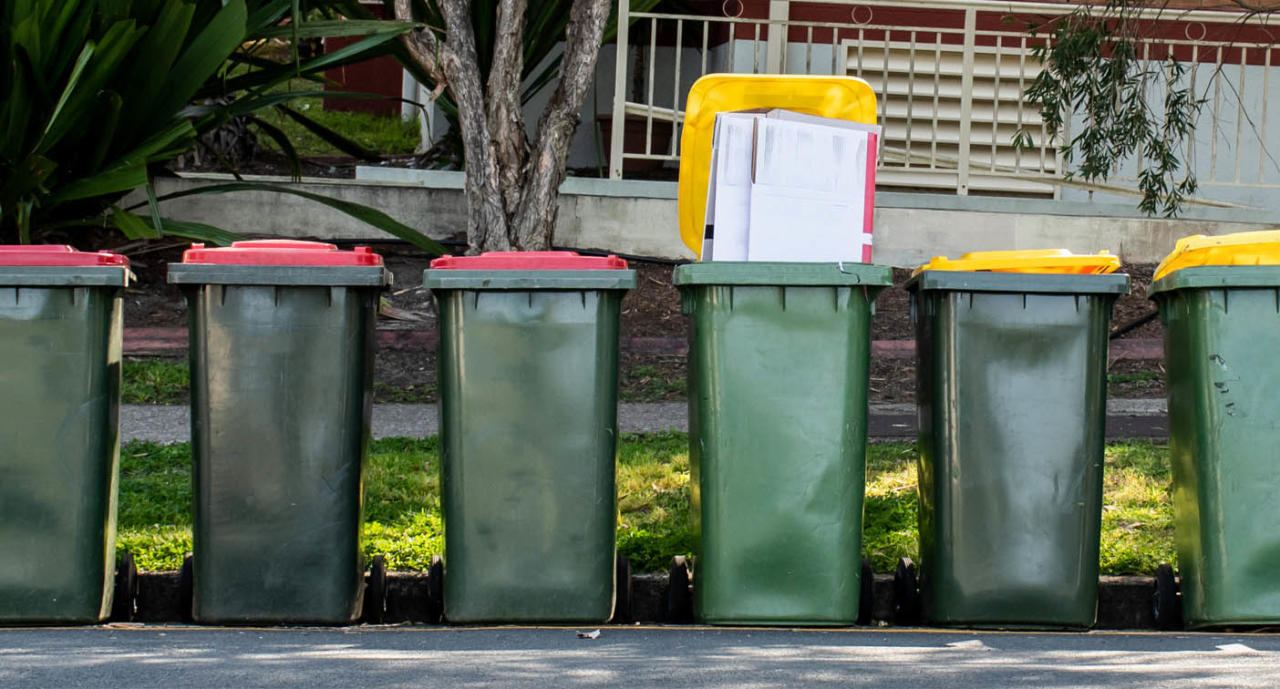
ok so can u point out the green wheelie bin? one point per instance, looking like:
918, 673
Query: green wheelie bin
528, 375
1011, 396
282, 344
1219, 301
778, 360
60, 342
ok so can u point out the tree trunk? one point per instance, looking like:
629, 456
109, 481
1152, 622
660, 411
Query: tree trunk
512, 187
535, 224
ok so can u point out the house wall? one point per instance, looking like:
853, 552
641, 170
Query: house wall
1242, 137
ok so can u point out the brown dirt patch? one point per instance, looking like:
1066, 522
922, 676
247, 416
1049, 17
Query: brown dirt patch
652, 309
1136, 379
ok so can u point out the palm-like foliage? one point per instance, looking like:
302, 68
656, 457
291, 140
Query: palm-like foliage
89, 99
95, 95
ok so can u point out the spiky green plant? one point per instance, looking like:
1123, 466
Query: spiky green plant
97, 95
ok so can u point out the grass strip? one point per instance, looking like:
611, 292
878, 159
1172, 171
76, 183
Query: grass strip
384, 134
155, 381
402, 503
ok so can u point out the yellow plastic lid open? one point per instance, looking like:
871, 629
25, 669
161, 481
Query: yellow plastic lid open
839, 97
1058, 261
1261, 248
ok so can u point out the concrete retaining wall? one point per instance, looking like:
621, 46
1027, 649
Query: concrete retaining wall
639, 218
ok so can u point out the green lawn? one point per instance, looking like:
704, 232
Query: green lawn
645, 383
155, 381
402, 503
385, 135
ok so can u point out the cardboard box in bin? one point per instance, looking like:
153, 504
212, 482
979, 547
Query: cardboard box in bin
786, 186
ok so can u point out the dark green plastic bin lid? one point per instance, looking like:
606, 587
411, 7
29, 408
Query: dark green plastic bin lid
783, 274
1217, 277
1026, 283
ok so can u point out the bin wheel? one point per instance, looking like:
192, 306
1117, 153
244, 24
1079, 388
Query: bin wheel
866, 592
679, 602
621, 590
435, 590
125, 604
1166, 602
906, 593
375, 593
186, 589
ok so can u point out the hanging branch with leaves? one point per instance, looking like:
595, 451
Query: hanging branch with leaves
1097, 78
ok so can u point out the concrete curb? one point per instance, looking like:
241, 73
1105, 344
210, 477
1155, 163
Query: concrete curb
1123, 602
1126, 418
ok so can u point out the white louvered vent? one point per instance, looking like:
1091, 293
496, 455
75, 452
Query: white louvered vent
920, 99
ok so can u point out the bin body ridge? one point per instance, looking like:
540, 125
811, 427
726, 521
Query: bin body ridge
1222, 330
282, 349
1011, 395
280, 395
60, 353
528, 381
777, 421
280, 409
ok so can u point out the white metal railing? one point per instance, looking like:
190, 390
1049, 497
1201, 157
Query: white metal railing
949, 87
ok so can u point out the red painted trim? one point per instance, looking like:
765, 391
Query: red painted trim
869, 201
927, 23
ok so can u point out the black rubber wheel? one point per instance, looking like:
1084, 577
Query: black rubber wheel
186, 588
1166, 602
435, 590
375, 592
906, 593
622, 590
679, 601
125, 603
866, 593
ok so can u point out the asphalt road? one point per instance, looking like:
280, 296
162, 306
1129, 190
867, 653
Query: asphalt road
1126, 418
194, 658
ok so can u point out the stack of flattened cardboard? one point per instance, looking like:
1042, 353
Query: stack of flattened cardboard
785, 186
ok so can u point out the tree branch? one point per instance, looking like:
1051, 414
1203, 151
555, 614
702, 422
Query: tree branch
1256, 7
535, 221
487, 226
421, 43
506, 122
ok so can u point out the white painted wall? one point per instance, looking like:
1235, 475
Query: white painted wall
1247, 135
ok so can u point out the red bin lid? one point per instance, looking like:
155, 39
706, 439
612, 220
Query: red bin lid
529, 260
281, 252
56, 255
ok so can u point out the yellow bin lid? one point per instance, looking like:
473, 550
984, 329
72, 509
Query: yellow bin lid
839, 97
1261, 248
1028, 261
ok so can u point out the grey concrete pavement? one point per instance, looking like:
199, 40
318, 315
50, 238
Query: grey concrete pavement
168, 424
172, 423
624, 657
